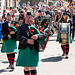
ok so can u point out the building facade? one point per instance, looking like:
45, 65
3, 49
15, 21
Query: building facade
8, 3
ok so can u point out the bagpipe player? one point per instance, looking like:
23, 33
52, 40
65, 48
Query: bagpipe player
9, 45
29, 48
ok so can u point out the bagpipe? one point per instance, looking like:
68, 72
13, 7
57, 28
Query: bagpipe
64, 33
15, 24
43, 43
41, 28
13, 28
43, 23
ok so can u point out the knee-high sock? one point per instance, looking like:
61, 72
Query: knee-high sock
11, 58
33, 72
8, 56
26, 72
63, 48
67, 49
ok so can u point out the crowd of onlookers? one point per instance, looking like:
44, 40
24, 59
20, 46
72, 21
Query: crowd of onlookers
54, 9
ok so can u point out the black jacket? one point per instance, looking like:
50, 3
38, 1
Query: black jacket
5, 32
24, 34
73, 20
42, 23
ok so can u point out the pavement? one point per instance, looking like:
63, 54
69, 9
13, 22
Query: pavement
50, 62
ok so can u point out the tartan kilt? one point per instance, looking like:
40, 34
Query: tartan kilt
57, 40
9, 46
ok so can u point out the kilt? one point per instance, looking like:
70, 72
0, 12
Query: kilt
27, 58
9, 46
57, 40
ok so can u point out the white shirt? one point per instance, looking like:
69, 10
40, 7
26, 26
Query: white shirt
29, 27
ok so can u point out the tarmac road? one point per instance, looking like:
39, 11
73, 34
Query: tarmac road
50, 63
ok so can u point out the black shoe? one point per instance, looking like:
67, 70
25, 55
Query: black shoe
66, 57
63, 54
8, 67
12, 67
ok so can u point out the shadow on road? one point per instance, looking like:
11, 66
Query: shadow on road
3, 70
5, 62
52, 40
74, 40
52, 59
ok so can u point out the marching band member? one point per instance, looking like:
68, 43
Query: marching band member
65, 46
73, 20
21, 19
40, 16
41, 22
28, 56
9, 44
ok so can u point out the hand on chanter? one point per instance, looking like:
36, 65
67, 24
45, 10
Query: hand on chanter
30, 41
35, 37
9, 36
12, 32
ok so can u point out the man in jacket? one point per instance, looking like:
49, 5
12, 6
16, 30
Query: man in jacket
28, 56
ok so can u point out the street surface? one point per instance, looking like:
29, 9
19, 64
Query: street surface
50, 63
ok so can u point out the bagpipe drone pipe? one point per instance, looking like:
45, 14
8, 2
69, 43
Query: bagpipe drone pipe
42, 28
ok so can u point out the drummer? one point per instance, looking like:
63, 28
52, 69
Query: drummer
65, 47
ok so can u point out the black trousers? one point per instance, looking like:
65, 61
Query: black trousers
73, 32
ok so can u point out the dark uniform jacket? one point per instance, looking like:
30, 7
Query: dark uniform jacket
73, 20
42, 23
23, 36
5, 32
